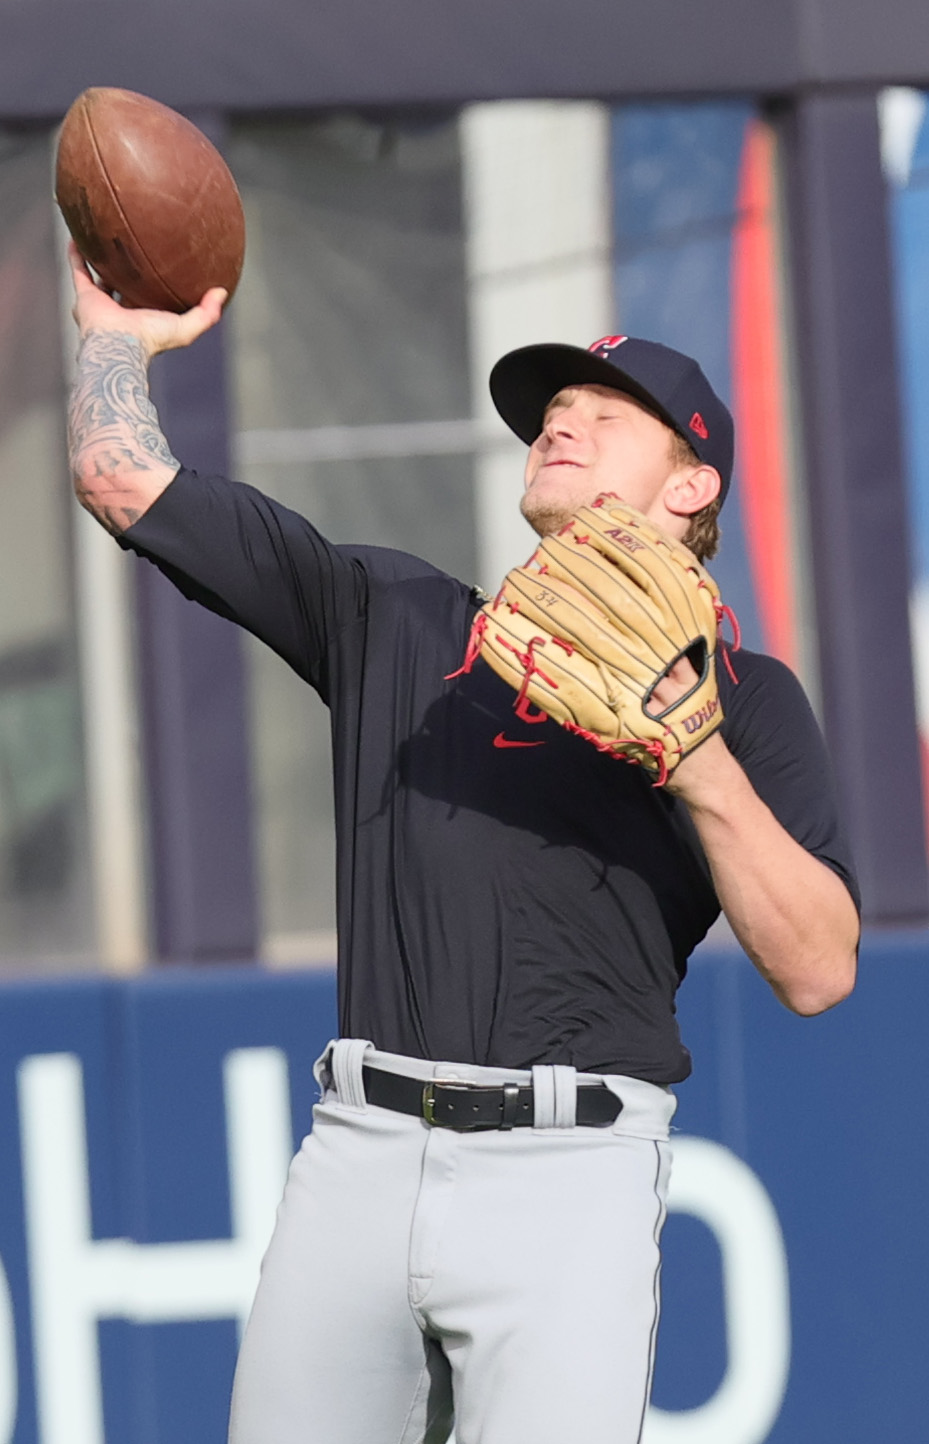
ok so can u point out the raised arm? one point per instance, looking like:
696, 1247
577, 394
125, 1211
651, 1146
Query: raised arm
120, 461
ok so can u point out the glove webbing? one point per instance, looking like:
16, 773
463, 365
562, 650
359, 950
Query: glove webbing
614, 747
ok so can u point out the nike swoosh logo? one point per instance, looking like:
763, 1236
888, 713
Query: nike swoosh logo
501, 741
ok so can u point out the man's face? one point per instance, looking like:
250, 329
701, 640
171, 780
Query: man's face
595, 439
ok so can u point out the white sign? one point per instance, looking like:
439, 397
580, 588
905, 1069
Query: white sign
716, 1187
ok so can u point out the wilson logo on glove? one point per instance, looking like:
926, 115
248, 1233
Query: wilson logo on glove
695, 721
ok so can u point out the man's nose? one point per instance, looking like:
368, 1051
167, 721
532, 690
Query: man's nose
565, 421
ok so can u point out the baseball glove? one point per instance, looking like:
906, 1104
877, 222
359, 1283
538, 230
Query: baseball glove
590, 625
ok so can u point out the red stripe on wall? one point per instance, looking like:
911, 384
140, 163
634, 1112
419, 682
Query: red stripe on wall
758, 396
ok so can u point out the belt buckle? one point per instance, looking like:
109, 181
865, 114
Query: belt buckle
429, 1112
510, 1094
429, 1102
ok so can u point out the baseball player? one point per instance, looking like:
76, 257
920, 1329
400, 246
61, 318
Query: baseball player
470, 1234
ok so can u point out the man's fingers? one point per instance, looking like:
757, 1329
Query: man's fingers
95, 306
201, 317
79, 273
80, 278
212, 303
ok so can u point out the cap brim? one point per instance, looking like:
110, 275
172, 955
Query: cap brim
523, 382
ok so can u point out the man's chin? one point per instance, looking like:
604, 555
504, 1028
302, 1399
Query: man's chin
546, 517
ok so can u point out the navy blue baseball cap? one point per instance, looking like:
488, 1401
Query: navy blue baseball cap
672, 385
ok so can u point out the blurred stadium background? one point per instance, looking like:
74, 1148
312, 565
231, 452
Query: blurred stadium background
425, 187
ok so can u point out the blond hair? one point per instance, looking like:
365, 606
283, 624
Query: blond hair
702, 535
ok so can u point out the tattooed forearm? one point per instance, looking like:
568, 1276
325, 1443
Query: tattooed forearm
120, 461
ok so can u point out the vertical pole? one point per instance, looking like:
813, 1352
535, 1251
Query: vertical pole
195, 740
109, 704
850, 405
532, 276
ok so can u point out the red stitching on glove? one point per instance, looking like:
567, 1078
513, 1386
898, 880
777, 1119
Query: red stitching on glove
613, 748
530, 666
724, 613
523, 713
473, 649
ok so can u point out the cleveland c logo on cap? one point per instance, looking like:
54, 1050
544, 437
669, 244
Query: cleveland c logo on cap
607, 343
697, 424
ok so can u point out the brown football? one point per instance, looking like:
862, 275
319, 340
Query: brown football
150, 202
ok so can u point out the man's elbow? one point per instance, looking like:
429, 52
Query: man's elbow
87, 489
91, 479
94, 496
823, 988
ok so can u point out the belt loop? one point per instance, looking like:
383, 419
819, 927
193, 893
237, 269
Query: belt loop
564, 1079
345, 1063
543, 1096
321, 1071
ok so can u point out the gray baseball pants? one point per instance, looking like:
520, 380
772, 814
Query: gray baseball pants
505, 1282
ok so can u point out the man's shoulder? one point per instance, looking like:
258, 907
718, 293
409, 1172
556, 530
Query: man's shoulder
744, 673
389, 565
763, 701
408, 581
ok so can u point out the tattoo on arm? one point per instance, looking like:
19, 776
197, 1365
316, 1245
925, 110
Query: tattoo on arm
120, 460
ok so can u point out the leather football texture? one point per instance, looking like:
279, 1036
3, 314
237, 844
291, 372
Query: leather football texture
149, 201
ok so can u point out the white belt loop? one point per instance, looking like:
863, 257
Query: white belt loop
565, 1081
543, 1096
554, 1091
345, 1063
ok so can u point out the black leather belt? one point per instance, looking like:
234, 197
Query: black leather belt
468, 1107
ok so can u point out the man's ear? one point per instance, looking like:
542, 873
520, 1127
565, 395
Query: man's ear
691, 489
